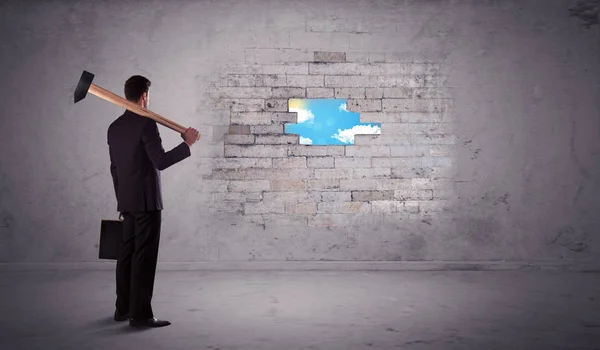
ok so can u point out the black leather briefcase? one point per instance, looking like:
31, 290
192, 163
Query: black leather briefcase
111, 232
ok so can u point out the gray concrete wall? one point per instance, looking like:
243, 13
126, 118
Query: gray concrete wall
489, 146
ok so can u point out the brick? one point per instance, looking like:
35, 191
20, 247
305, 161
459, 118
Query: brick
237, 105
276, 105
312, 92
435, 80
241, 92
350, 93
374, 92
435, 206
433, 139
410, 172
351, 81
340, 162
364, 105
242, 68
254, 197
288, 68
370, 173
373, 69
409, 151
397, 92
303, 150
267, 129
407, 194
284, 139
412, 207
421, 117
225, 207
306, 80
248, 185
323, 184
289, 162
336, 196
264, 208
229, 197
288, 92
260, 173
310, 197
234, 163
432, 92
256, 151
367, 196
397, 162
288, 185
301, 208
287, 196
333, 173
263, 118
343, 207
384, 206
380, 140
273, 80
416, 128
320, 162
322, 56
367, 151
358, 184
393, 184
409, 105
239, 129
406, 81
357, 56
245, 80
239, 139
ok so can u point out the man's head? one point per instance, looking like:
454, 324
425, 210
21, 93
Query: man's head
137, 90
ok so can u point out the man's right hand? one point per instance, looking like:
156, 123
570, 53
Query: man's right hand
190, 136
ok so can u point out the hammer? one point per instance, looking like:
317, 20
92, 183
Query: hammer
85, 85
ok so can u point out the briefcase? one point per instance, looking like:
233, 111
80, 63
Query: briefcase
111, 232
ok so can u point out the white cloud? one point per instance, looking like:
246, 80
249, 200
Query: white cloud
305, 141
347, 135
342, 107
304, 115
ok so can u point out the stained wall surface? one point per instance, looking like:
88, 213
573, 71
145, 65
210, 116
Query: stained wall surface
489, 113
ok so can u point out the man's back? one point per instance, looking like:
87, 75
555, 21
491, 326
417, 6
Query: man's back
137, 157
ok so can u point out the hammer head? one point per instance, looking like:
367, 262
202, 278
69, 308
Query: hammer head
83, 86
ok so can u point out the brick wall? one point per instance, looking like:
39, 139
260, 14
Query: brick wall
405, 171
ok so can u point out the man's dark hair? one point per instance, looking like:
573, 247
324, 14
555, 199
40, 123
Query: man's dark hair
135, 87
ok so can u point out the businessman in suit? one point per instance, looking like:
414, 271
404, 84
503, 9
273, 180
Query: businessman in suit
136, 159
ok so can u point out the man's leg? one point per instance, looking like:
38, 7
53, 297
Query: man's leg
147, 234
123, 271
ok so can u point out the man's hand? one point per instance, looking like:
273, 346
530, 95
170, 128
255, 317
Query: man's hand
190, 136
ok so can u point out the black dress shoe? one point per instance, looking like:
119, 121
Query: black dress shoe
120, 317
150, 322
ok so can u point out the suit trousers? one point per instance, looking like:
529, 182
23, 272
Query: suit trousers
136, 263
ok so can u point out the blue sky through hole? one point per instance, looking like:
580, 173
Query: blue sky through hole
327, 122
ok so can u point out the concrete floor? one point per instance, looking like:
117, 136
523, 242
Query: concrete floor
308, 310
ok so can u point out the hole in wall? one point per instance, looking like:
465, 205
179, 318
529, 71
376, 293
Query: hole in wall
327, 122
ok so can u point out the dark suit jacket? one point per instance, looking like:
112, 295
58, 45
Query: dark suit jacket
136, 159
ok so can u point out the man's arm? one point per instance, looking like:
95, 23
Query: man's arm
155, 151
113, 170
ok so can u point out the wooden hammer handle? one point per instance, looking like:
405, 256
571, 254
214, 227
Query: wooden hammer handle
120, 101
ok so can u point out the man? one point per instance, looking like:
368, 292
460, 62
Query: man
136, 159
